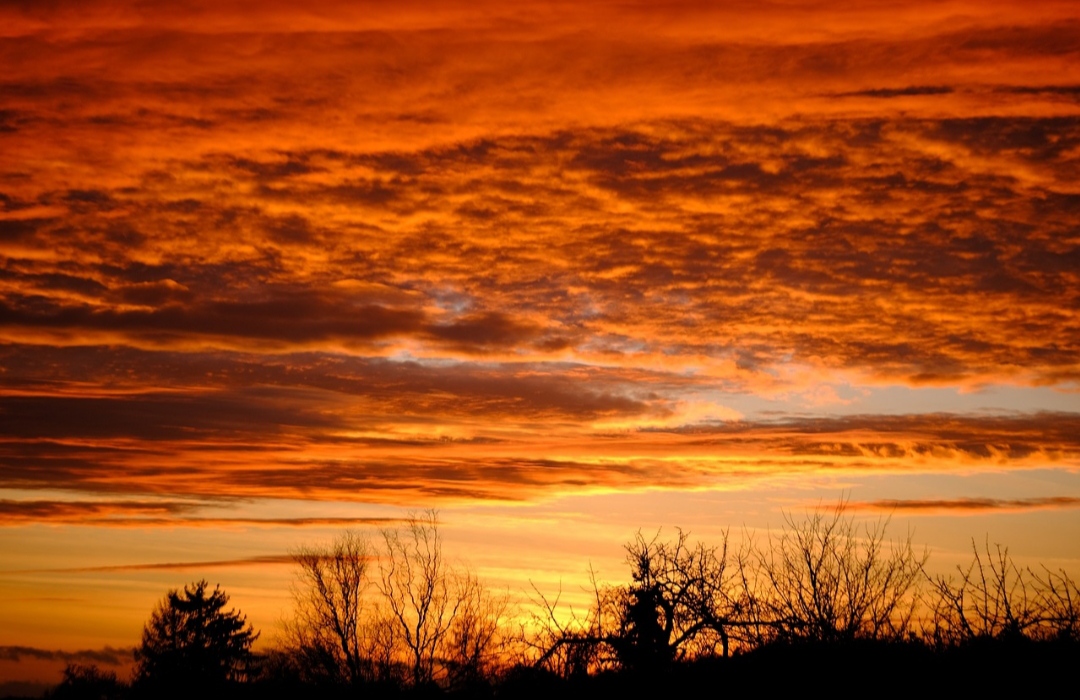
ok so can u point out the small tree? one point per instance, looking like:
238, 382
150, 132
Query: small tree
192, 642
1059, 599
478, 635
580, 643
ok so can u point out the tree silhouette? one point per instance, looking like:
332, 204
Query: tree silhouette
683, 602
333, 635
478, 635
420, 622
421, 592
824, 579
191, 642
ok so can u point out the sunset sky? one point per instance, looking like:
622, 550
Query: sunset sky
561, 270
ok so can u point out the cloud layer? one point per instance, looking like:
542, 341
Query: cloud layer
438, 251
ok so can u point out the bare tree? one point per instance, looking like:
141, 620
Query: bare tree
825, 579
1059, 600
409, 618
419, 589
328, 632
479, 635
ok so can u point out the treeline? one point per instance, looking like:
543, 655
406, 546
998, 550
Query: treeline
824, 601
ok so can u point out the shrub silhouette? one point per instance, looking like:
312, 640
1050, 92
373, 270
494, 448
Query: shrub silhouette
88, 682
192, 643
994, 600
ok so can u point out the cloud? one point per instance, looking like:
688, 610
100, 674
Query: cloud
689, 239
263, 560
990, 438
972, 506
289, 318
15, 511
886, 93
153, 514
210, 391
702, 255
108, 656
419, 459
1063, 90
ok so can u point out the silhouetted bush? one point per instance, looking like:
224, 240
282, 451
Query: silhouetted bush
88, 682
994, 600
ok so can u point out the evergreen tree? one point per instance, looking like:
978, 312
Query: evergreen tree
191, 642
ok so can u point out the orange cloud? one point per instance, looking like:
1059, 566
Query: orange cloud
405, 460
784, 235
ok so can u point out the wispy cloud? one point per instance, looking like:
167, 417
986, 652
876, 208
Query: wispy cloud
263, 560
151, 514
968, 505
107, 656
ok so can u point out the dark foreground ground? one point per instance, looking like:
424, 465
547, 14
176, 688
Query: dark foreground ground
1050, 669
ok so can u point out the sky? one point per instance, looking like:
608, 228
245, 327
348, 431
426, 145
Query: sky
559, 270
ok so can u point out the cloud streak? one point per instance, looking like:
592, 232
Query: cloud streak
973, 506
107, 656
154, 514
263, 560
